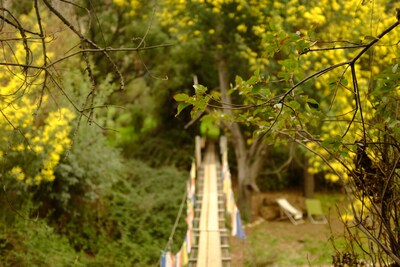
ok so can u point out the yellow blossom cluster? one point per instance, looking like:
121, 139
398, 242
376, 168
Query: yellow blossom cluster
33, 137
38, 144
211, 21
134, 5
55, 137
18, 173
333, 24
359, 206
315, 15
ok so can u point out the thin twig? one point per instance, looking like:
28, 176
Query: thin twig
93, 44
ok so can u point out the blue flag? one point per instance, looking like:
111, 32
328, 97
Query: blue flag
240, 233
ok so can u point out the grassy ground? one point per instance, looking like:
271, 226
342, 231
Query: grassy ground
280, 243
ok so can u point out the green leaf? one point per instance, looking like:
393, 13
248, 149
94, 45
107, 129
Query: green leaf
256, 88
216, 95
312, 34
181, 107
294, 105
369, 38
344, 82
265, 92
200, 89
253, 79
272, 26
312, 103
201, 104
333, 142
289, 64
238, 80
181, 97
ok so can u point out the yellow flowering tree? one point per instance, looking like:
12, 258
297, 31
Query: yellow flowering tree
32, 143
327, 31
34, 133
35, 150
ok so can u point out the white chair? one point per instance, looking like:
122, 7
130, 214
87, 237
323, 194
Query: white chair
294, 215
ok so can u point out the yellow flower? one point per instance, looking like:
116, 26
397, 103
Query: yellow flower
120, 2
46, 171
58, 148
50, 178
18, 173
20, 147
332, 177
38, 149
38, 179
241, 28
216, 10
335, 6
48, 174
346, 217
54, 157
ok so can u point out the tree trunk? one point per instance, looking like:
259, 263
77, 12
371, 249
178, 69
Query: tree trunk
247, 159
244, 190
309, 181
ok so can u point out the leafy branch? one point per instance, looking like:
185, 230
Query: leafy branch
201, 100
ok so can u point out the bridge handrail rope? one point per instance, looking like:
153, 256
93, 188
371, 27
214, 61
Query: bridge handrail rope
168, 259
230, 203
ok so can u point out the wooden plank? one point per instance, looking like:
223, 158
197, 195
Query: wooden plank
203, 239
210, 240
214, 250
213, 224
214, 242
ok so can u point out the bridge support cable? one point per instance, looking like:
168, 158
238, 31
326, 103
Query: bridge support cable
181, 258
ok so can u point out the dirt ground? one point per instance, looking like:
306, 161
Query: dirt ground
272, 241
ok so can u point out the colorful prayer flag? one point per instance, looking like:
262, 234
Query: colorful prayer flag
178, 259
239, 229
185, 258
163, 262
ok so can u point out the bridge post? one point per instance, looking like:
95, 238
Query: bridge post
198, 143
223, 146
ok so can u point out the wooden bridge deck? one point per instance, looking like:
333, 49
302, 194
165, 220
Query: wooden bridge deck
209, 253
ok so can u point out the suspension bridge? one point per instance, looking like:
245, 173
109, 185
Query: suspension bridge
209, 202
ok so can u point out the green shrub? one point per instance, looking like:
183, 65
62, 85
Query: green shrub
101, 210
31, 242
